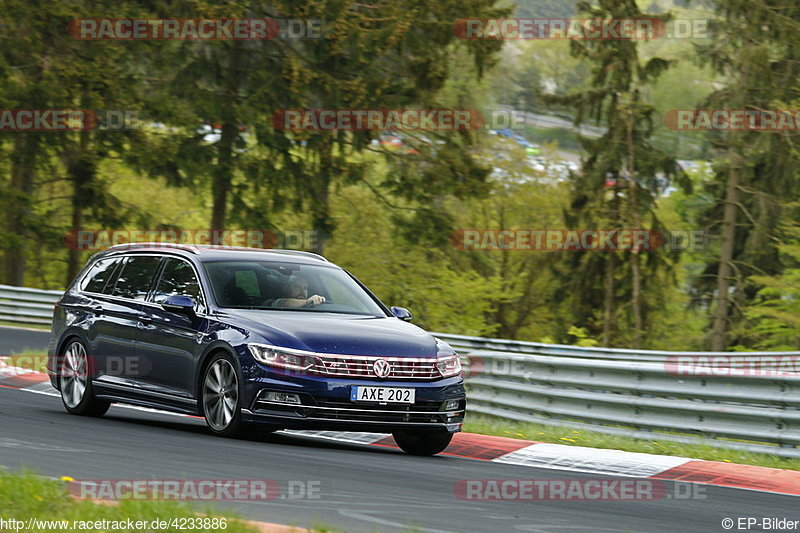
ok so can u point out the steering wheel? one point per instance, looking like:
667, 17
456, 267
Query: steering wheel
326, 302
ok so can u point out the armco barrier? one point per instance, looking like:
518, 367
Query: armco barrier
21, 305
636, 393
616, 391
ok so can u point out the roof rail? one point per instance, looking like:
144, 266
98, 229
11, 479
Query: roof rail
302, 253
142, 245
201, 247
197, 249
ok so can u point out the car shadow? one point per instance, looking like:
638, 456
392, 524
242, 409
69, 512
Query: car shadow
197, 426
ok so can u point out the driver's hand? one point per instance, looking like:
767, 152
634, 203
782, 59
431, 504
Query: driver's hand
315, 300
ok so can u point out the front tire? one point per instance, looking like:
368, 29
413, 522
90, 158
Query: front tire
75, 383
220, 397
422, 442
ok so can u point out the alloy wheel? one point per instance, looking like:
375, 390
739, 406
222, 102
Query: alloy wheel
74, 375
220, 394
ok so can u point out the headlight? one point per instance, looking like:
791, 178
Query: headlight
449, 366
281, 357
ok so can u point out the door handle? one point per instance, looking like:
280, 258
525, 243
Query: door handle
97, 309
145, 321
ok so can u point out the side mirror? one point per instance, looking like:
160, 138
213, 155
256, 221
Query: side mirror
402, 313
179, 304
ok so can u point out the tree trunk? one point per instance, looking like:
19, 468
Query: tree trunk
23, 175
724, 269
81, 171
636, 299
73, 254
321, 220
608, 301
222, 181
223, 177
636, 277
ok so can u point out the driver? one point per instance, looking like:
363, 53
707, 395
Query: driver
297, 295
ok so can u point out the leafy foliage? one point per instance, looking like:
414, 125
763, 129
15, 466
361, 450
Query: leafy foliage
210, 154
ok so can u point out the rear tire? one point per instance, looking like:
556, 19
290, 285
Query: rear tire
75, 382
220, 397
422, 442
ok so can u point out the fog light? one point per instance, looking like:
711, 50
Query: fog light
451, 405
281, 397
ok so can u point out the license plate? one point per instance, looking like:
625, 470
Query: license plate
382, 394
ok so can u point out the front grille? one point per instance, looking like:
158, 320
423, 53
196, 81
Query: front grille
421, 413
380, 416
431, 407
354, 366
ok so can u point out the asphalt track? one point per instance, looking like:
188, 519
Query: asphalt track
14, 340
361, 488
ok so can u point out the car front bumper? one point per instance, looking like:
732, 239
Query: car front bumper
326, 405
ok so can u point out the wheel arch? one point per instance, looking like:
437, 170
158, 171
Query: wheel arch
205, 359
66, 338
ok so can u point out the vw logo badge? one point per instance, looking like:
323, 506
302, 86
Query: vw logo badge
381, 368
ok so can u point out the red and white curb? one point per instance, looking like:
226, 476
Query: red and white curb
528, 453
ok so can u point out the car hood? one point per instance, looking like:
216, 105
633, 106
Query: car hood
340, 334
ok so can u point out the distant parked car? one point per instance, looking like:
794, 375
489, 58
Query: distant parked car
530, 148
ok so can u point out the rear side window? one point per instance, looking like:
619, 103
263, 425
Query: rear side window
178, 279
247, 280
136, 277
95, 280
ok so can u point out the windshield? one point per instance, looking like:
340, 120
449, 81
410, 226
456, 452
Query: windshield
288, 287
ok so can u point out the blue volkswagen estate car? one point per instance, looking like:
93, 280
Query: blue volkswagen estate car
248, 338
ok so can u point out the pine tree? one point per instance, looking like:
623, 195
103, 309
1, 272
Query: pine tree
611, 291
756, 46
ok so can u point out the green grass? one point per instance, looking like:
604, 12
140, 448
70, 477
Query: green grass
592, 439
25, 495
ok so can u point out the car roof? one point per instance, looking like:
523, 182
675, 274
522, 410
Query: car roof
211, 252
